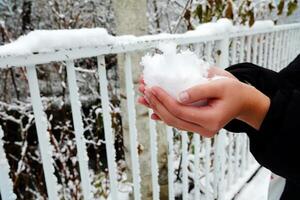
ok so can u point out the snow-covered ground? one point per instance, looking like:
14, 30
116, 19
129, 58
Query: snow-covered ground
258, 188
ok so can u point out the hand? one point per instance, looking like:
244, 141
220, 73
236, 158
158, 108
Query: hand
213, 71
217, 71
227, 99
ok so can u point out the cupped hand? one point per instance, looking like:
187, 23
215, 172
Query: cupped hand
226, 99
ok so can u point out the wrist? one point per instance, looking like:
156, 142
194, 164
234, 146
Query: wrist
255, 108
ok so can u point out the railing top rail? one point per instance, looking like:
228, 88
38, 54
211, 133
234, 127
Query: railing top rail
133, 44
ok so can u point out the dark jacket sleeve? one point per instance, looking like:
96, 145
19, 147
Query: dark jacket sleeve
277, 144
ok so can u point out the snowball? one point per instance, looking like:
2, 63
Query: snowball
172, 71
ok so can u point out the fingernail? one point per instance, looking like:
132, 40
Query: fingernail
183, 97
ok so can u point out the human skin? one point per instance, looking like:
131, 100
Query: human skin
227, 99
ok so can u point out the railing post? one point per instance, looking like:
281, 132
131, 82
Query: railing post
43, 134
222, 54
109, 136
79, 131
222, 59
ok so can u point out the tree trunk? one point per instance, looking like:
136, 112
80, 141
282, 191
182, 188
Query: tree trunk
130, 17
26, 16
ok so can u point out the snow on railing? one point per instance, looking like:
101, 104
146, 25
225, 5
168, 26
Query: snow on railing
222, 165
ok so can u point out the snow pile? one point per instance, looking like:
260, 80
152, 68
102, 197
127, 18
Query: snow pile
223, 25
172, 71
259, 25
49, 40
41, 41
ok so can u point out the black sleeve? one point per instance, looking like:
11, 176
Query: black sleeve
277, 144
263, 79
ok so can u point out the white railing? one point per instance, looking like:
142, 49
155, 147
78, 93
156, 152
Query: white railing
222, 165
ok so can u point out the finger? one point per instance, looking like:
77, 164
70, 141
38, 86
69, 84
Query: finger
212, 89
171, 120
212, 71
155, 117
141, 80
217, 71
143, 101
142, 88
202, 116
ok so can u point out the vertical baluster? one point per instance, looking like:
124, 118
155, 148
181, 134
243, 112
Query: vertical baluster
282, 50
260, 54
196, 138
266, 50
277, 50
295, 46
249, 155
271, 51
237, 158
233, 58
132, 127
289, 47
79, 131
254, 51
222, 157
208, 51
216, 167
207, 163
219, 165
248, 49
244, 152
109, 137
207, 141
43, 135
242, 50
154, 165
223, 62
184, 165
298, 42
198, 50
290, 43
286, 48
290, 32
6, 184
296, 38
230, 166
170, 163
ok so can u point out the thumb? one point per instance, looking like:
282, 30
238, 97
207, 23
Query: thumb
199, 92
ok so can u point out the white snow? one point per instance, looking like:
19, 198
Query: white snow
258, 25
257, 189
41, 41
172, 71
2, 23
221, 26
51, 40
